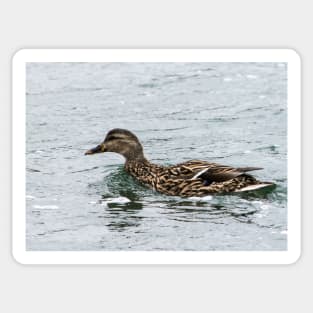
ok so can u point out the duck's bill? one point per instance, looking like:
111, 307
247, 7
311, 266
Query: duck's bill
96, 149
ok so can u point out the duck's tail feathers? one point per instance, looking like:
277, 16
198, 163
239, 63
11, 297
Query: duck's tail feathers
248, 169
257, 186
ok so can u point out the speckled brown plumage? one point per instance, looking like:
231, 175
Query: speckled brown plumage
191, 178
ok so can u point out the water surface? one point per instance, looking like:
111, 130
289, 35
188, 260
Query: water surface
230, 113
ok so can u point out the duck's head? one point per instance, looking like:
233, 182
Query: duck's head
120, 141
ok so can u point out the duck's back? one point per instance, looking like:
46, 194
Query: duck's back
193, 178
199, 178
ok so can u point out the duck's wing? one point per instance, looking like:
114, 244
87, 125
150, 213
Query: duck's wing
208, 172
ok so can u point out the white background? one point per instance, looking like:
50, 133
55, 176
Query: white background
166, 24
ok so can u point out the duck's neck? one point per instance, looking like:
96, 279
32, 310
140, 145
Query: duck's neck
143, 170
141, 162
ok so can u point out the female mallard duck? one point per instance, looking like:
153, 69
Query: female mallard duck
191, 178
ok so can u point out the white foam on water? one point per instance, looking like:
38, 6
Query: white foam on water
46, 207
247, 151
265, 207
257, 202
284, 232
202, 199
227, 79
29, 197
250, 76
118, 200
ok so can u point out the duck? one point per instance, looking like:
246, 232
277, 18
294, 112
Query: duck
194, 178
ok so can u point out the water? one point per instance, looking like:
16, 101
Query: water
230, 113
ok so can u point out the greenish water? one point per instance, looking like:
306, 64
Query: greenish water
230, 113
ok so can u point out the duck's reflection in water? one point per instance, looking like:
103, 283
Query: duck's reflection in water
122, 212
186, 211
121, 217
